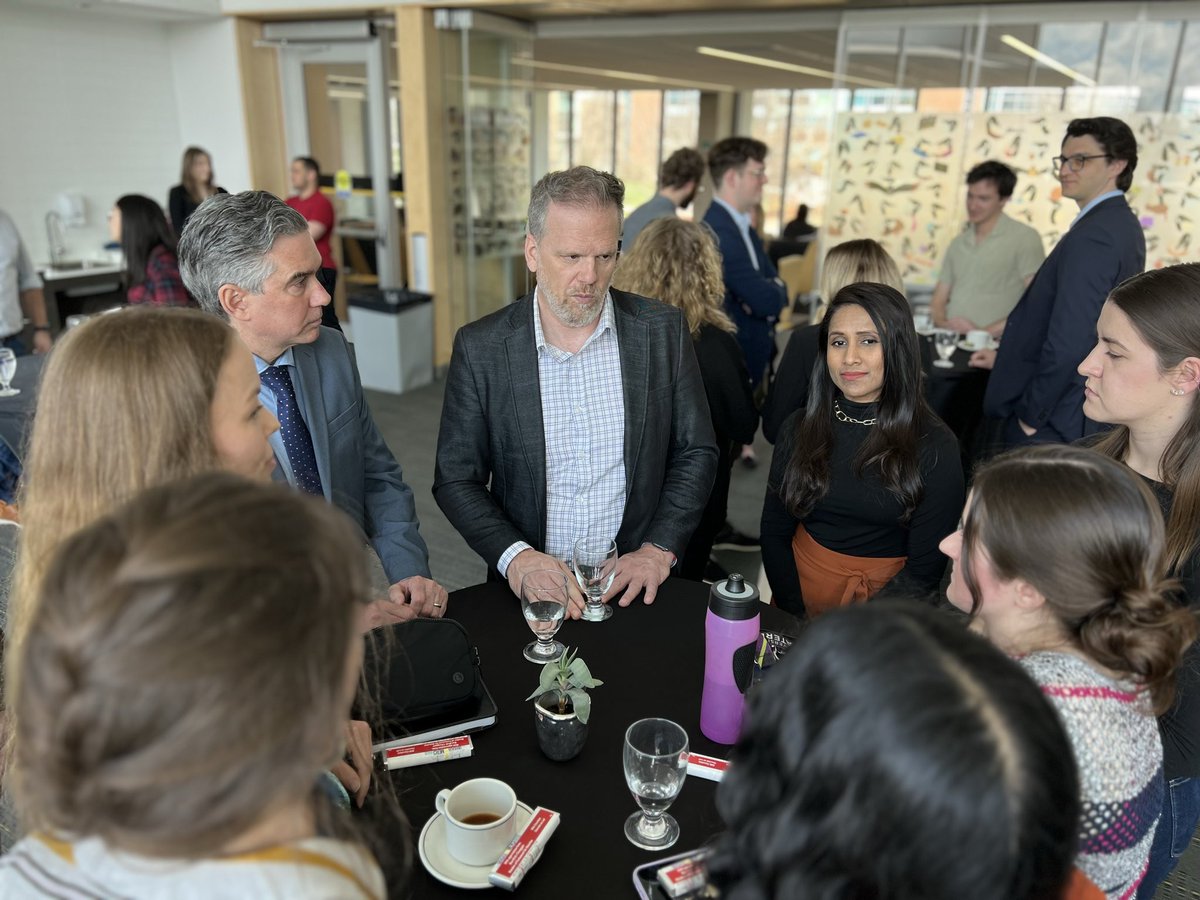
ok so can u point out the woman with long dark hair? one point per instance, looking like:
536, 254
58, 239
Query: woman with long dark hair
196, 184
865, 479
893, 755
1060, 562
1144, 378
149, 247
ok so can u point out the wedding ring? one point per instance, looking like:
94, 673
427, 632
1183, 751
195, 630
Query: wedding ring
437, 605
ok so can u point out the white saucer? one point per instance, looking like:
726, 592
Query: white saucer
445, 868
991, 345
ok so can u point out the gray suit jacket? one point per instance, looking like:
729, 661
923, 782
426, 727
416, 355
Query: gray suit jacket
491, 457
358, 472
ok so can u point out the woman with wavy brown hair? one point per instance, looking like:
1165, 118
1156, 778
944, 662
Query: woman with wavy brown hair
678, 263
196, 184
1060, 561
1143, 377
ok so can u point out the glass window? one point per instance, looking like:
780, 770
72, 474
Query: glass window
558, 131
681, 121
1160, 40
592, 129
639, 115
769, 125
872, 55
806, 180
1185, 92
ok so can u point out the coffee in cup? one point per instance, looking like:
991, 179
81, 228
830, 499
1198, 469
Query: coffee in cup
481, 818
978, 339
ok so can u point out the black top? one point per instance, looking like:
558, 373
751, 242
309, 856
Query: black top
181, 206
1180, 725
727, 385
789, 389
859, 516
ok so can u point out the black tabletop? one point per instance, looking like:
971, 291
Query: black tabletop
651, 659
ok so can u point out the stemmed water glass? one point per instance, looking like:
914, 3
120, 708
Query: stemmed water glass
8, 368
655, 766
544, 601
944, 341
595, 562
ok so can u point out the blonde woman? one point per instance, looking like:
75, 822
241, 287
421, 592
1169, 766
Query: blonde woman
677, 262
196, 184
850, 262
177, 703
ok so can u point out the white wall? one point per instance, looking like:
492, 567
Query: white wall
104, 105
208, 97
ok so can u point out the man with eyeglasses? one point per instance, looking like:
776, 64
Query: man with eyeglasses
1034, 387
754, 293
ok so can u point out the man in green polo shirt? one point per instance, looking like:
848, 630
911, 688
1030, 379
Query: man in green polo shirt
989, 265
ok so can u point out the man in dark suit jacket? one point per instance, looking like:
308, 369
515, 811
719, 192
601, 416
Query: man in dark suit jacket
226, 246
754, 294
1035, 387
576, 411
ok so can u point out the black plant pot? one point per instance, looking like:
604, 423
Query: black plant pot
560, 735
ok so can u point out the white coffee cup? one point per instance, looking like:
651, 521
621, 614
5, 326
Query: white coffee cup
978, 339
481, 818
922, 321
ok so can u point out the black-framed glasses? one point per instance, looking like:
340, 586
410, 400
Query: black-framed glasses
1075, 163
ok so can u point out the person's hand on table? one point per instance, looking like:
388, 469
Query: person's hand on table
642, 570
42, 341
961, 324
423, 595
982, 359
355, 772
532, 561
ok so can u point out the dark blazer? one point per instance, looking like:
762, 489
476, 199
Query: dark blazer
491, 455
1053, 326
753, 297
358, 471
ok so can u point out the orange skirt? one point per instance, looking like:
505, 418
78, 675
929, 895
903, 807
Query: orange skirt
829, 579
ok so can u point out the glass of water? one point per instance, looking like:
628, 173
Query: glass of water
655, 765
944, 341
595, 562
544, 601
8, 368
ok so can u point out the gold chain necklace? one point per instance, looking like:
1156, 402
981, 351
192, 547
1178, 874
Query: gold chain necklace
842, 417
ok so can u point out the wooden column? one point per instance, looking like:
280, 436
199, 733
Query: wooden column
262, 102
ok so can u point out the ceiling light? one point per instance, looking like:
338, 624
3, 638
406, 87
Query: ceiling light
620, 75
791, 67
1048, 61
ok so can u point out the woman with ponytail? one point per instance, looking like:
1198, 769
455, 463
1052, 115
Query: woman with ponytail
1143, 377
1060, 560
865, 479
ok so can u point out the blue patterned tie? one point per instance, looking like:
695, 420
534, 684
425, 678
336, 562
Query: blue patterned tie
297, 442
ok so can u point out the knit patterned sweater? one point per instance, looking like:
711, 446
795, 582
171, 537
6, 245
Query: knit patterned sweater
1119, 755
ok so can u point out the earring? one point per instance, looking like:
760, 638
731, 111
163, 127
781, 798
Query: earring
1178, 392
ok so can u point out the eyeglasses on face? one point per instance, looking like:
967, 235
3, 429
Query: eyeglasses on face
1075, 163
756, 173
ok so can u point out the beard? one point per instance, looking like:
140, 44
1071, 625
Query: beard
687, 201
571, 314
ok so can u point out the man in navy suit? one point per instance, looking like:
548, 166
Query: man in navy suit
250, 258
1035, 387
754, 294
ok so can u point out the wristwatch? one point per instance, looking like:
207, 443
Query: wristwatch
666, 550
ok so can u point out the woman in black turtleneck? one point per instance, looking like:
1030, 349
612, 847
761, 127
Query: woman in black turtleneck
865, 480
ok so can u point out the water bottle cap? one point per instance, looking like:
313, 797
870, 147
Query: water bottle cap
733, 599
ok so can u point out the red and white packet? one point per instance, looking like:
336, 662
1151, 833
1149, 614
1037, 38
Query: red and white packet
706, 766
684, 876
525, 849
428, 752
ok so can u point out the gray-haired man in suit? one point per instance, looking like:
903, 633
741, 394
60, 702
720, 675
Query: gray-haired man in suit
249, 258
576, 411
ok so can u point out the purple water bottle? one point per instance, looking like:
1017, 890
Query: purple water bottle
731, 632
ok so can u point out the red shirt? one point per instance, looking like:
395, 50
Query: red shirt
317, 208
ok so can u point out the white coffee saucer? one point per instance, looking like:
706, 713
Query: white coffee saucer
444, 867
992, 344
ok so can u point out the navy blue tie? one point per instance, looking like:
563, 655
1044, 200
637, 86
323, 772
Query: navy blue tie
297, 442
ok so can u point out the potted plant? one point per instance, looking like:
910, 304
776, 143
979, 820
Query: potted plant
562, 706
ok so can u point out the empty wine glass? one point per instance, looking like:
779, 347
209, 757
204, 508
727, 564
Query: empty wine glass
595, 565
655, 765
8, 368
944, 341
544, 601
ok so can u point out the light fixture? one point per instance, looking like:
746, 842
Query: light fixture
620, 75
1048, 61
790, 67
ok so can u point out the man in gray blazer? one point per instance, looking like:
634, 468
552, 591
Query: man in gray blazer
576, 411
249, 258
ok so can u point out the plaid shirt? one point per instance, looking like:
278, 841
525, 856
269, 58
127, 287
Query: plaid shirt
583, 419
163, 285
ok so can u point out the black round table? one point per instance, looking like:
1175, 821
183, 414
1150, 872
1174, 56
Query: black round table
651, 659
956, 395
